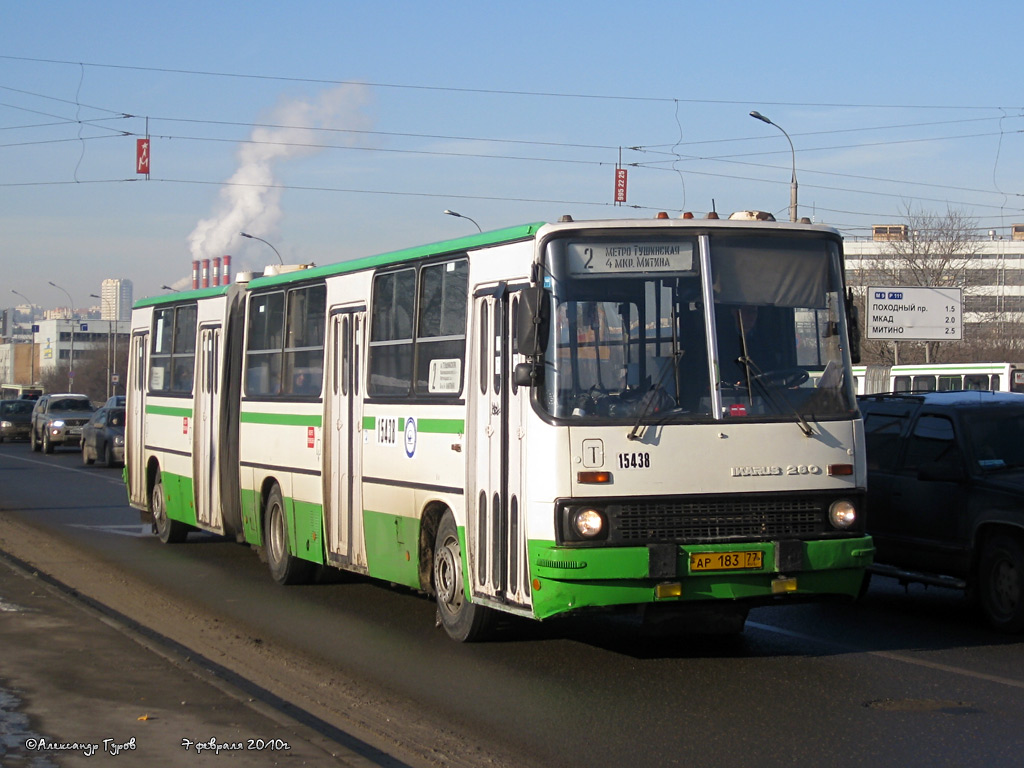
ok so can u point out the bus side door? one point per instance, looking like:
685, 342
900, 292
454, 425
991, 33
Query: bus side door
343, 415
135, 454
495, 516
206, 431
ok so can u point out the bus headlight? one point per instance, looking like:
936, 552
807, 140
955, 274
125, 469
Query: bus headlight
588, 523
842, 514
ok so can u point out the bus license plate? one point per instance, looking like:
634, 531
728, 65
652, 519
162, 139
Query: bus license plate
726, 561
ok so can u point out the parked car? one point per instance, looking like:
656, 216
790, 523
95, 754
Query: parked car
15, 419
57, 419
103, 435
115, 401
946, 494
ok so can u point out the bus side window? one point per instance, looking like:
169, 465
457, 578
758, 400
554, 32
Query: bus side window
391, 343
441, 328
979, 381
924, 384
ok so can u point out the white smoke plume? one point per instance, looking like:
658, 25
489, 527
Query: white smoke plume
249, 202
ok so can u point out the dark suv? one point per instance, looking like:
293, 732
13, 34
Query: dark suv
58, 420
946, 494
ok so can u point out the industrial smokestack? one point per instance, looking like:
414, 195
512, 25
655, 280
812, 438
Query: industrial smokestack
205, 280
195, 274
215, 272
225, 275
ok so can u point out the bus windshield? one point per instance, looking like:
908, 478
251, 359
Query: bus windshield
706, 328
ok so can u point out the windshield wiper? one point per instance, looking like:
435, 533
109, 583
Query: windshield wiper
773, 397
649, 396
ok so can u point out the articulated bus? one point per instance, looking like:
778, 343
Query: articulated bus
938, 377
539, 420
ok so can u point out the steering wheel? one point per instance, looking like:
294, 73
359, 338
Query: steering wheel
783, 377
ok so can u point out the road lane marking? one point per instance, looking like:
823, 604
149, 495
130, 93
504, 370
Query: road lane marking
137, 531
78, 470
892, 656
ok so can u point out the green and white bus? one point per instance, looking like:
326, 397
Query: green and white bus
654, 416
938, 377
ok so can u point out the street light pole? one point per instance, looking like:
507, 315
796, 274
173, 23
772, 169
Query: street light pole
253, 237
71, 358
461, 216
31, 339
103, 311
792, 184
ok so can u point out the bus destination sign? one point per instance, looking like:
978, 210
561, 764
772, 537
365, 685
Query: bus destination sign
629, 258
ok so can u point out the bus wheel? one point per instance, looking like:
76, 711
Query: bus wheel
461, 619
285, 568
169, 531
1001, 583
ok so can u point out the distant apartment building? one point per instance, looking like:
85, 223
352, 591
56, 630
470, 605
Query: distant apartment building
116, 299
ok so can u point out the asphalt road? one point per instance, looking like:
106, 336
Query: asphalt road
902, 678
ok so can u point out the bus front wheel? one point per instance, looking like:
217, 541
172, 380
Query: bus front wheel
169, 531
462, 620
285, 568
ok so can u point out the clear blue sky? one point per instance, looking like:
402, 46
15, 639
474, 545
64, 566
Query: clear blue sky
506, 112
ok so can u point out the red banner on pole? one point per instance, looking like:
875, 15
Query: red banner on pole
620, 185
142, 156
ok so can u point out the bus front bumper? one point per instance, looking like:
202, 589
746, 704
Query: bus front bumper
565, 579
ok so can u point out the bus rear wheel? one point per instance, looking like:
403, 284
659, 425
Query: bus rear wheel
169, 531
285, 568
462, 620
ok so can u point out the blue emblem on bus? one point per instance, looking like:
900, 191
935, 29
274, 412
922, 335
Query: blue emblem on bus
410, 437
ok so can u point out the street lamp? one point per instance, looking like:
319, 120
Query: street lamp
168, 288
253, 237
31, 338
792, 184
71, 358
460, 216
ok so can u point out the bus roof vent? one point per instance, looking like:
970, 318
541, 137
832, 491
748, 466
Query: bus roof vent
565, 219
1018, 231
751, 216
283, 269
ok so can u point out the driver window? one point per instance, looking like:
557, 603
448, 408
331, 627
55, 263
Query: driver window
933, 440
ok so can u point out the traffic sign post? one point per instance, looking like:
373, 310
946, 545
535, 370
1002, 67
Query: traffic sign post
900, 313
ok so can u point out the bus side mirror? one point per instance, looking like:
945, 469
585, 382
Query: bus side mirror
527, 374
532, 328
853, 327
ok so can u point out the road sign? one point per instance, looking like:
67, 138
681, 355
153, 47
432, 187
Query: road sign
900, 313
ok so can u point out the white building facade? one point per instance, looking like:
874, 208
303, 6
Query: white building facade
990, 272
116, 299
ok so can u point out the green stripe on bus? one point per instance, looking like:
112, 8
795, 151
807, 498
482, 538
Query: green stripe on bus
441, 426
430, 426
282, 419
167, 410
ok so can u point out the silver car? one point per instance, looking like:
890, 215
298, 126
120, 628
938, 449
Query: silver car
58, 419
